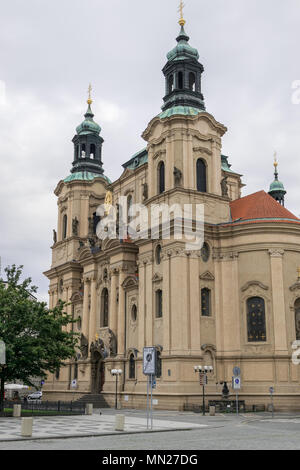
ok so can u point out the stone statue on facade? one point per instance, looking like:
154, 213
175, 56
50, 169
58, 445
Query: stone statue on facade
145, 191
54, 236
177, 176
224, 187
84, 346
75, 223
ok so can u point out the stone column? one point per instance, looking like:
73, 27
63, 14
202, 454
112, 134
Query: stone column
166, 261
150, 312
215, 174
230, 304
279, 318
194, 296
121, 315
142, 306
179, 301
113, 312
169, 164
93, 311
85, 315
151, 176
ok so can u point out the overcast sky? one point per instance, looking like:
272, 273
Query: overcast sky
51, 51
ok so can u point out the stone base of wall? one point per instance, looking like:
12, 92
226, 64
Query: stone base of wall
178, 402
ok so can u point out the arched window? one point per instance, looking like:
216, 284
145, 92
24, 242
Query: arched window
201, 176
256, 319
158, 254
158, 364
134, 313
161, 177
297, 319
180, 80
205, 302
104, 309
129, 205
131, 367
159, 310
192, 81
92, 151
65, 227
171, 83
83, 150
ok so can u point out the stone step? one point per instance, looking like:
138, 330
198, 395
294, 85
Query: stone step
98, 401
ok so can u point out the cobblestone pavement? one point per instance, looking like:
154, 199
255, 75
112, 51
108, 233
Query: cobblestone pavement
215, 433
64, 426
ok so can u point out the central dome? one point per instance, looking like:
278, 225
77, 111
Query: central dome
88, 126
183, 50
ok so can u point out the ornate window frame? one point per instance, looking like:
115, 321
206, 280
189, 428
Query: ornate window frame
249, 290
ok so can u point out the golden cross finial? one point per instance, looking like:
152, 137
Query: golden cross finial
275, 159
180, 9
89, 101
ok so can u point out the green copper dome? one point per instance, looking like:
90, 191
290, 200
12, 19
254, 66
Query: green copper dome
183, 50
88, 126
276, 186
85, 176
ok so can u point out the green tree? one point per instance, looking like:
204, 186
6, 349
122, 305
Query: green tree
35, 337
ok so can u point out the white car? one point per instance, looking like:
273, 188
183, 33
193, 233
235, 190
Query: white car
35, 396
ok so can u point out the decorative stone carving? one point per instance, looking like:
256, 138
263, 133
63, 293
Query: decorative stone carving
207, 276
109, 341
54, 236
276, 253
254, 283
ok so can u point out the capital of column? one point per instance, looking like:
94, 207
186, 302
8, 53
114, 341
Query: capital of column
276, 253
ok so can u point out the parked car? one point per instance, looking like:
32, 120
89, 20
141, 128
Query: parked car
35, 396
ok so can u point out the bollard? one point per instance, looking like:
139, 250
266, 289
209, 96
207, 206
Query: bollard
26, 430
120, 422
212, 411
89, 409
16, 411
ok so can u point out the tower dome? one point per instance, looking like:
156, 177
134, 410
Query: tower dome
277, 190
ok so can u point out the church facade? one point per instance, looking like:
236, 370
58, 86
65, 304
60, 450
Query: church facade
234, 302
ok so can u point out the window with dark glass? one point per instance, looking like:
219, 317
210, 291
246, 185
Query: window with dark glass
159, 311
205, 302
180, 80
65, 226
256, 319
192, 81
161, 177
201, 176
104, 315
158, 254
131, 367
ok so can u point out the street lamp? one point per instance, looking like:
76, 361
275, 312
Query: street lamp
116, 372
203, 371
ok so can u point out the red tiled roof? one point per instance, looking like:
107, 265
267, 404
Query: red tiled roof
259, 205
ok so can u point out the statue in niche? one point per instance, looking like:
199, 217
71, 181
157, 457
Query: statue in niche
145, 191
224, 187
177, 176
84, 346
112, 343
75, 223
54, 236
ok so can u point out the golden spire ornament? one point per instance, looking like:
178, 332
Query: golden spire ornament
180, 9
275, 160
89, 101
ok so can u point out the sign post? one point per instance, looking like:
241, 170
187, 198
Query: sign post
236, 385
271, 389
149, 369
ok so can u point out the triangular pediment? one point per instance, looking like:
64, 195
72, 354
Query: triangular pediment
207, 276
157, 278
126, 173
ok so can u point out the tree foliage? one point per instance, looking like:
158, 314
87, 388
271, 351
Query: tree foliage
36, 338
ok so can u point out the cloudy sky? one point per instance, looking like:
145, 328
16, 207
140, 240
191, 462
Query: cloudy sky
51, 51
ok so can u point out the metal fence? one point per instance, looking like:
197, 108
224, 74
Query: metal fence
45, 408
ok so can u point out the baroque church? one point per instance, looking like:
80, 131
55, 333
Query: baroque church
234, 302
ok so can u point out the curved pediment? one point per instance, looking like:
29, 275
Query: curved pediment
254, 283
130, 282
